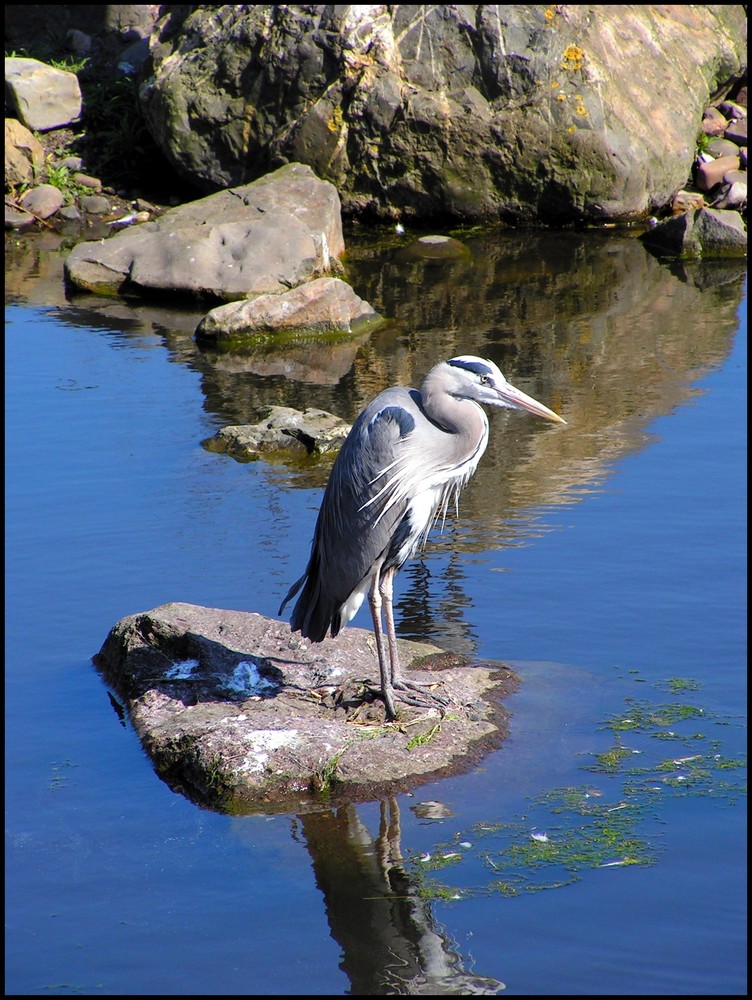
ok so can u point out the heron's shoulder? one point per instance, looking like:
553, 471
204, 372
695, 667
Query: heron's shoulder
393, 412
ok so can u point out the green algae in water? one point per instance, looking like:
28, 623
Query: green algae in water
570, 831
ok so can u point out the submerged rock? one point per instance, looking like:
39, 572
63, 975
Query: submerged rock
241, 715
282, 429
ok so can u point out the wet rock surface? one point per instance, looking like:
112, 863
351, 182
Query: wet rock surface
284, 429
241, 715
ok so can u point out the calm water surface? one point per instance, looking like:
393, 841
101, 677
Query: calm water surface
605, 561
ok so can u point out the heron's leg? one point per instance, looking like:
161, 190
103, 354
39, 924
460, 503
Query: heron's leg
374, 602
386, 588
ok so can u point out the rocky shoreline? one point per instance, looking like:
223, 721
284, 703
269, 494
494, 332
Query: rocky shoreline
50, 185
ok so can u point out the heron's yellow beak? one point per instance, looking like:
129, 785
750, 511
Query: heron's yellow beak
519, 400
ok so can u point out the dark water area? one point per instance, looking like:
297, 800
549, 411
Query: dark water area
602, 849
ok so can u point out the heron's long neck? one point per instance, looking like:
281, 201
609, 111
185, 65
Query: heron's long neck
463, 421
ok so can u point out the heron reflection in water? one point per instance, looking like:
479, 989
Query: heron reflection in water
409, 453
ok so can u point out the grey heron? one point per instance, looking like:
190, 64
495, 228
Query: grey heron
408, 454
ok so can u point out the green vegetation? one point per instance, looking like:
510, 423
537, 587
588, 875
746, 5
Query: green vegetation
111, 135
422, 738
702, 143
567, 832
325, 777
61, 178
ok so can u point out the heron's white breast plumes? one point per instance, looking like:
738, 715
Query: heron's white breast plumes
414, 484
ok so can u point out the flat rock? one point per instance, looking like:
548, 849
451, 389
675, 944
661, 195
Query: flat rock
42, 96
241, 715
269, 236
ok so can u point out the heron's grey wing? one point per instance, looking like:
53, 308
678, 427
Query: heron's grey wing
358, 517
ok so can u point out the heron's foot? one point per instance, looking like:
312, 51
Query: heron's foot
419, 693
409, 693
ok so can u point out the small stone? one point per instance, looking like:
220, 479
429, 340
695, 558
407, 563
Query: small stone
737, 132
72, 163
89, 182
711, 173
722, 147
94, 204
43, 201
70, 213
685, 201
732, 110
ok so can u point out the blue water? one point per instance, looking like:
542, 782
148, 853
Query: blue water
117, 885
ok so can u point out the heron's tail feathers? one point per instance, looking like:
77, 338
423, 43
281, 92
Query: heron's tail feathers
314, 614
292, 592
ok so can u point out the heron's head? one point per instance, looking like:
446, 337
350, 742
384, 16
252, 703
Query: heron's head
468, 377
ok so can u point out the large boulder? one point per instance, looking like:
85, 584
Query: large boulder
514, 112
265, 237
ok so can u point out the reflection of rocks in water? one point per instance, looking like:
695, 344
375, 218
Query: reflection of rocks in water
435, 601
317, 362
391, 943
431, 810
594, 324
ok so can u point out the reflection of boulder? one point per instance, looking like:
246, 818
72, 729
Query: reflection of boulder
296, 362
608, 334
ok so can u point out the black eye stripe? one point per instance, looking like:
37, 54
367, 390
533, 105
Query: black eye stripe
476, 367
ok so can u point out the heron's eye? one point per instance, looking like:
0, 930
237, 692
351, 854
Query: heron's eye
484, 379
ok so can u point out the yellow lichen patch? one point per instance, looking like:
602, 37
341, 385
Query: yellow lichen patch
579, 107
335, 122
573, 58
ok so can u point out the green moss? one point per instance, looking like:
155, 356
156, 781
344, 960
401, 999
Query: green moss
677, 685
568, 832
422, 738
